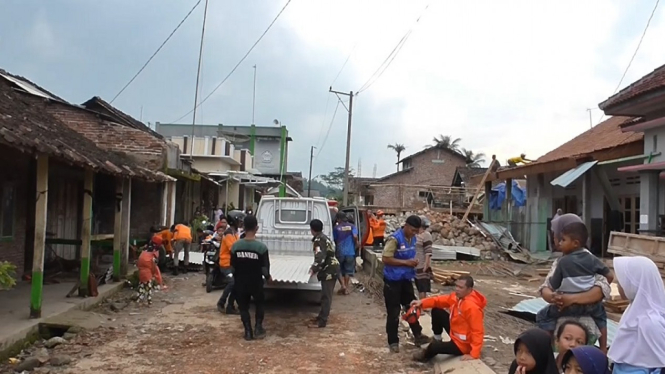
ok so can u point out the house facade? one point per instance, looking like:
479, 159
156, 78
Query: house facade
242, 159
582, 177
63, 191
644, 100
422, 174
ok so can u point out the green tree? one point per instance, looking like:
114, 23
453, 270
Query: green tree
335, 181
398, 148
473, 160
447, 142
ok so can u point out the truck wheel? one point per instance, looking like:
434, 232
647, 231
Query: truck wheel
209, 280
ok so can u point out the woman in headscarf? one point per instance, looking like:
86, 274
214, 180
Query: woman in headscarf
585, 360
600, 290
639, 344
147, 265
533, 354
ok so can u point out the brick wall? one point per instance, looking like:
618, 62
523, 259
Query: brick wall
423, 172
146, 208
13, 249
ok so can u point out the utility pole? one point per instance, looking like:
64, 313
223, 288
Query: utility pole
309, 179
345, 193
198, 76
254, 97
590, 118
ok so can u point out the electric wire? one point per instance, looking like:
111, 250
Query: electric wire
239, 62
389, 59
157, 51
329, 128
639, 44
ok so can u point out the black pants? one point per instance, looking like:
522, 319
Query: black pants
398, 295
327, 289
229, 291
441, 322
244, 295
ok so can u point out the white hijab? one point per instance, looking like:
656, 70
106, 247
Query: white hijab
640, 339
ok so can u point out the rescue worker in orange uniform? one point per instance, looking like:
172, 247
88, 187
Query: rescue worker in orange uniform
378, 229
230, 236
182, 239
464, 323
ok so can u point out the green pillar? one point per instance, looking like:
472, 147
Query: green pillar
41, 205
86, 230
282, 163
252, 138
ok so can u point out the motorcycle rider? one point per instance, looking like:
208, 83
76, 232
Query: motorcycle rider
234, 219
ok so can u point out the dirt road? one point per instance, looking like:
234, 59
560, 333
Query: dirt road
184, 333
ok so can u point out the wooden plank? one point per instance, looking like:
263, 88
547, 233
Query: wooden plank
481, 185
41, 208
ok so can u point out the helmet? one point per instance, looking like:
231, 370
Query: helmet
235, 217
412, 315
424, 222
379, 213
350, 218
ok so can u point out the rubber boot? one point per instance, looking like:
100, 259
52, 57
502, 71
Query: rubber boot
249, 334
231, 310
259, 331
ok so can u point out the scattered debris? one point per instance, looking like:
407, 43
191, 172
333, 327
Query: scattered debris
447, 277
60, 360
28, 364
54, 341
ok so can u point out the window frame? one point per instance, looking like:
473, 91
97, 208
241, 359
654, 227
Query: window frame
4, 187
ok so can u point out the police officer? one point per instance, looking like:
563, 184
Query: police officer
251, 264
399, 263
326, 268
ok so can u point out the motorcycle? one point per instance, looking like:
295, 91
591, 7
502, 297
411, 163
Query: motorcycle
215, 278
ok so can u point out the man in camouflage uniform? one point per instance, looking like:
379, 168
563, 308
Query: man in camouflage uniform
326, 268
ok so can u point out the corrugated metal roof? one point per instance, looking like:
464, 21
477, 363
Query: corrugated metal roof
195, 258
571, 175
532, 306
291, 269
472, 251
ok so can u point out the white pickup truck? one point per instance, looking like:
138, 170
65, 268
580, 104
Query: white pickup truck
284, 228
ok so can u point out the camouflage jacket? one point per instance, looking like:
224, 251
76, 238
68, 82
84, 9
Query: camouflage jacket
325, 264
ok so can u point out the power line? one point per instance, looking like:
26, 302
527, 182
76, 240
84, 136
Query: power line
238, 64
639, 44
157, 51
329, 127
325, 112
389, 59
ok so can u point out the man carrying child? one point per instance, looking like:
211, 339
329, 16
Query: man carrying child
575, 273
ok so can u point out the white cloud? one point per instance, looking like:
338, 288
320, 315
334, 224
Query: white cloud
42, 39
506, 77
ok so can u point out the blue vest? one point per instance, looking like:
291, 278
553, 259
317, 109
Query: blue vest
406, 250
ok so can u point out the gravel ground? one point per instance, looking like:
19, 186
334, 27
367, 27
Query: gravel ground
182, 332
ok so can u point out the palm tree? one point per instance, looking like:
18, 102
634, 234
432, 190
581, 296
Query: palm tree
398, 148
447, 142
473, 160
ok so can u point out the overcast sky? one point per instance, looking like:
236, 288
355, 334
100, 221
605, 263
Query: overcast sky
505, 76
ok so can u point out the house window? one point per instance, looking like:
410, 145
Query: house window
7, 214
406, 164
631, 213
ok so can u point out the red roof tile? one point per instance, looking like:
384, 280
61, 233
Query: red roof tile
25, 124
605, 135
648, 83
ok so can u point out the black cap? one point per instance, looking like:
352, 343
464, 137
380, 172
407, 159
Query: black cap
414, 221
341, 216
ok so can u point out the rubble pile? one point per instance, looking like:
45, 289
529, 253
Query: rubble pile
446, 230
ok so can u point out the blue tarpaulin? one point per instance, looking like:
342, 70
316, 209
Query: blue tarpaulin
498, 195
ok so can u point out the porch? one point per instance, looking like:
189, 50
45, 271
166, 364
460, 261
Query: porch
16, 325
